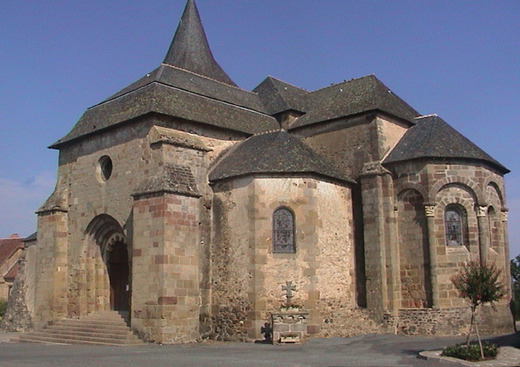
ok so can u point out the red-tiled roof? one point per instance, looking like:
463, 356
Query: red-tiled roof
8, 246
12, 273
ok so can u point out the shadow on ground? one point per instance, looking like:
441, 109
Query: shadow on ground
510, 340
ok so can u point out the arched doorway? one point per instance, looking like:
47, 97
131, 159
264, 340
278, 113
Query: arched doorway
109, 279
118, 274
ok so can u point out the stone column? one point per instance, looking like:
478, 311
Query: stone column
483, 233
429, 210
166, 297
380, 250
52, 265
505, 244
51, 288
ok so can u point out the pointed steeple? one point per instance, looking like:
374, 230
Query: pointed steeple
190, 50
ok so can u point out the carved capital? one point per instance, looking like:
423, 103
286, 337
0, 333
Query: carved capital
503, 215
429, 210
373, 169
481, 211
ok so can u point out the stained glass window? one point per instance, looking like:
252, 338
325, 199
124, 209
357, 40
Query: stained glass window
283, 231
454, 225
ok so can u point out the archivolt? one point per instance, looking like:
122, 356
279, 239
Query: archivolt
105, 231
468, 184
414, 187
494, 185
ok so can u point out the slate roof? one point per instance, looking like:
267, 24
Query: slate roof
279, 96
275, 152
190, 50
189, 85
353, 97
432, 137
193, 83
30, 240
31, 237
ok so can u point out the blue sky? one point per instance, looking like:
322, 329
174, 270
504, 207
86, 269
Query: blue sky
459, 59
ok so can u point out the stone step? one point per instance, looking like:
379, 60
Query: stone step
55, 340
43, 337
106, 315
76, 333
97, 325
102, 328
88, 329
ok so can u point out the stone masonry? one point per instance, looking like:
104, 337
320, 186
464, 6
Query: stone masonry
185, 203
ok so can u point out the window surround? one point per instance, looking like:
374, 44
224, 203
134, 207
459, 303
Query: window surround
283, 239
455, 224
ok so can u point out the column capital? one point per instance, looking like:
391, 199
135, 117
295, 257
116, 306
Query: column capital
429, 210
374, 169
503, 215
481, 211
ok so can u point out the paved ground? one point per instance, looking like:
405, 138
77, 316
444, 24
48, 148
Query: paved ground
363, 351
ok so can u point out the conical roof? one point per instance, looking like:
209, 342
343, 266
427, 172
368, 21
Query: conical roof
432, 137
273, 153
190, 50
189, 84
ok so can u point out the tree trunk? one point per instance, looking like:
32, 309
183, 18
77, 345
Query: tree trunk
479, 342
471, 324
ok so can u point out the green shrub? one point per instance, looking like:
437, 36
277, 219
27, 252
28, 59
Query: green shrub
471, 352
3, 307
479, 284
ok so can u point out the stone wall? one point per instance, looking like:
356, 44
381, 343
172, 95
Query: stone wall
165, 268
4, 269
85, 205
479, 191
453, 321
414, 259
380, 240
248, 276
52, 267
17, 316
352, 142
427, 321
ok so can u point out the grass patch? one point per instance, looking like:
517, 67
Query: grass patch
471, 353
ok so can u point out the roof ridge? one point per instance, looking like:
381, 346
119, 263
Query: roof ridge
284, 82
207, 77
269, 132
343, 82
426, 116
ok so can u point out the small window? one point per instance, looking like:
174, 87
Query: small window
105, 167
283, 231
454, 222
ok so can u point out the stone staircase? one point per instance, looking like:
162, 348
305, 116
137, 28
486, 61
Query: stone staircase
101, 328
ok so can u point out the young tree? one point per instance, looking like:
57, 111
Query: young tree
479, 284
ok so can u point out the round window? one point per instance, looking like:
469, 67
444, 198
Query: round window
105, 167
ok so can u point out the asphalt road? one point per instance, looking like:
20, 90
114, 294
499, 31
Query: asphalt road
367, 350
362, 351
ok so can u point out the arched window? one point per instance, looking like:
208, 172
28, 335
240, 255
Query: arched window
454, 224
283, 231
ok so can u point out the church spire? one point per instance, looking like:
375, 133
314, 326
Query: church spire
190, 50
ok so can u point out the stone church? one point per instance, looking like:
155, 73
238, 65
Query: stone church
186, 203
